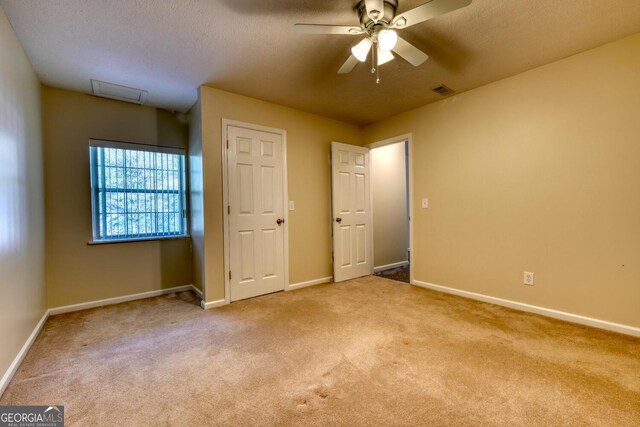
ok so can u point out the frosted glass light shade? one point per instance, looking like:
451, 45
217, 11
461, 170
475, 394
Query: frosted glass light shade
387, 39
384, 56
361, 50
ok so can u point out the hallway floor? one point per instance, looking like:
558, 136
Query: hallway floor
400, 274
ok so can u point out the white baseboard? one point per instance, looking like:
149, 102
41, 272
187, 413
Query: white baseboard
4, 382
221, 302
117, 300
569, 317
390, 266
310, 283
213, 304
13, 368
197, 291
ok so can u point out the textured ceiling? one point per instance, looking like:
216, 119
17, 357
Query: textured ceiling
246, 46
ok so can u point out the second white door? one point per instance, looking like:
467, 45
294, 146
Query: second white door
352, 243
255, 212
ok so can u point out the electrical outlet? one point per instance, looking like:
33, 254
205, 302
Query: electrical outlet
528, 278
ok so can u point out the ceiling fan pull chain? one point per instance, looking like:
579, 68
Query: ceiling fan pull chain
374, 51
374, 61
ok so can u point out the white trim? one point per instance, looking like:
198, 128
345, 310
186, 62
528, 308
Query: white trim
389, 141
213, 304
371, 220
285, 202
117, 300
13, 368
137, 239
225, 201
135, 146
225, 213
561, 315
390, 266
310, 283
408, 137
197, 291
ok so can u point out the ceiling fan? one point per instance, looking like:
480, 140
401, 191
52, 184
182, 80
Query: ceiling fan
378, 23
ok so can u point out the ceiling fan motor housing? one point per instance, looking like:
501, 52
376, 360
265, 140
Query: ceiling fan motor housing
371, 26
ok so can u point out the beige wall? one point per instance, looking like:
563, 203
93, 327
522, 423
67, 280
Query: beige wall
308, 141
22, 284
75, 271
539, 172
389, 191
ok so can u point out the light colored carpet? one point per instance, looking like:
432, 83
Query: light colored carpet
366, 352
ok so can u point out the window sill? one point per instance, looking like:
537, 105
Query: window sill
144, 239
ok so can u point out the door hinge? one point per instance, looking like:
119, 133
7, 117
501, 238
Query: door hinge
227, 144
228, 209
229, 275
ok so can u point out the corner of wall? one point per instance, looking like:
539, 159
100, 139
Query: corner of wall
22, 257
196, 193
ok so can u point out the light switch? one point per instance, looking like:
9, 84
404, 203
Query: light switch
425, 203
292, 205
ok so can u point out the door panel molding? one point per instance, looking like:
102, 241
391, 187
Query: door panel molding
266, 150
351, 211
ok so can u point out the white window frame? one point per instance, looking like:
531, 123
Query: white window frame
95, 211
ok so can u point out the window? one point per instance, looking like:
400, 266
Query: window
137, 191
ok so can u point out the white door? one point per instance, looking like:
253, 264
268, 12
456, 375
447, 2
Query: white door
352, 245
255, 212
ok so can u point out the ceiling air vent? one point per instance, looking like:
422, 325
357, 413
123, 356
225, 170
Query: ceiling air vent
443, 90
121, 93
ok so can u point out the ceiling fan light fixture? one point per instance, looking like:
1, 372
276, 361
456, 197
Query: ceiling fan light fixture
378, 22
384, 56
361, 50
387, 40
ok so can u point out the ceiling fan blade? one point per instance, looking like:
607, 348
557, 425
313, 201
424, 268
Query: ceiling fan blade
409, 52
327, 29
427, 11
375, 9
348, 65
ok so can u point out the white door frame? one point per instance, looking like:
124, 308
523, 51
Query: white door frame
408, 138
225, 199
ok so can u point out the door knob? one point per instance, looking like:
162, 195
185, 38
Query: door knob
280, 221
338, 220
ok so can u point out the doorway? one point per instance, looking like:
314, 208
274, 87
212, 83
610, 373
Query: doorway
256, 250
391, 208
